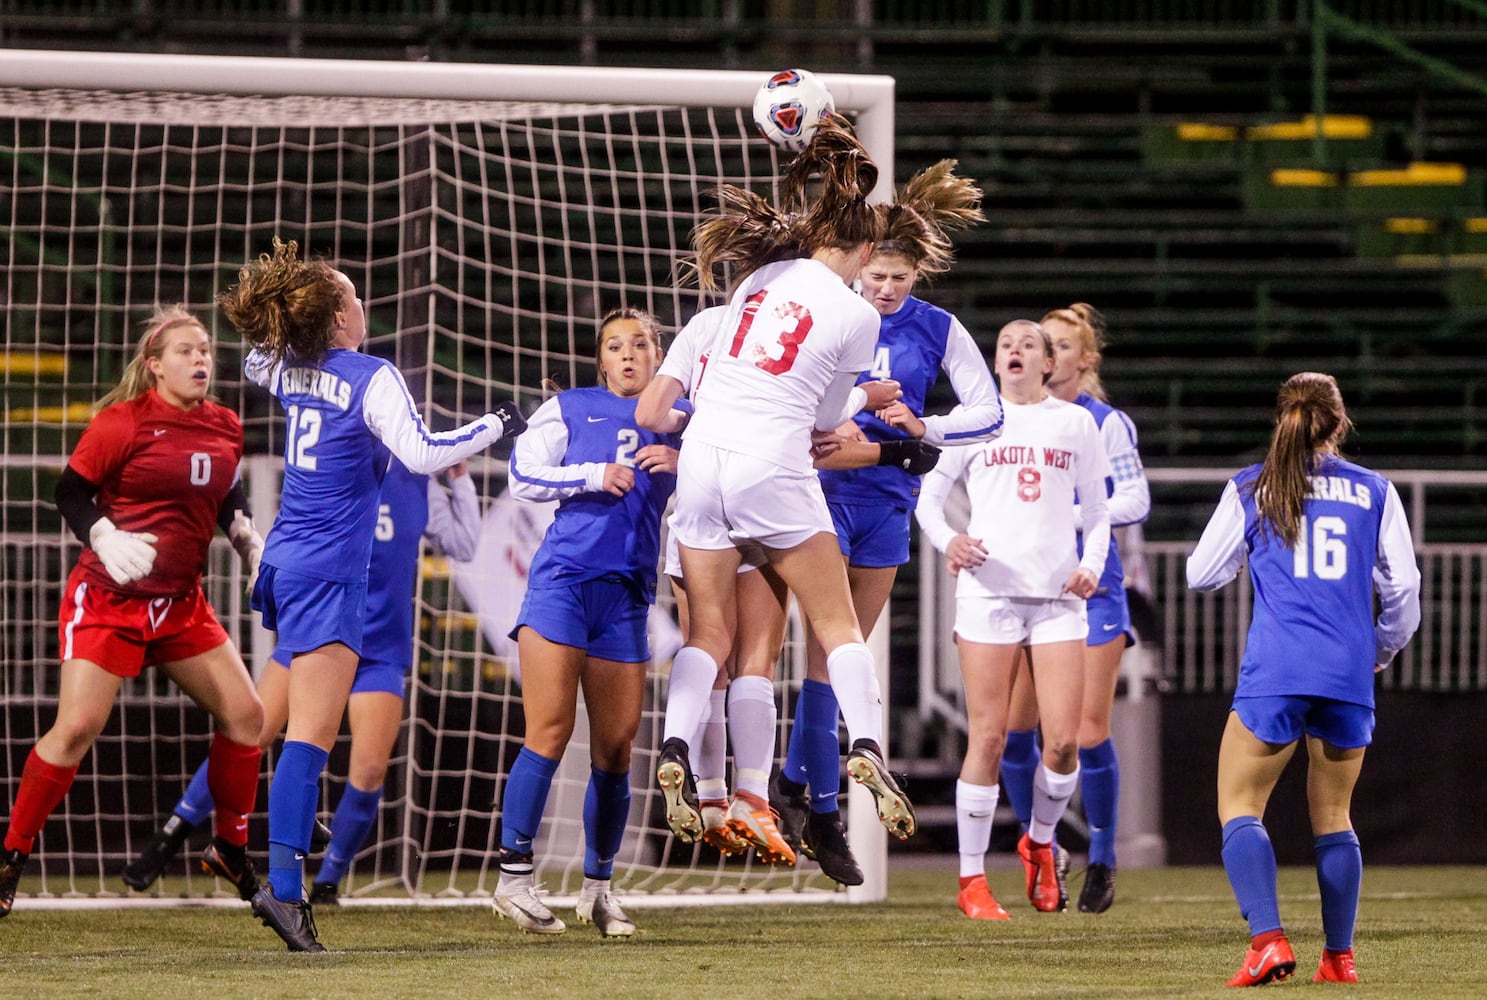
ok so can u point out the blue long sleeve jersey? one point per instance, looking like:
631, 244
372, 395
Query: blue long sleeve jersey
914, 345
1313, 631
561, 456
344, 414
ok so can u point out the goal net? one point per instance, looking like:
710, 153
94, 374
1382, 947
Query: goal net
488, 215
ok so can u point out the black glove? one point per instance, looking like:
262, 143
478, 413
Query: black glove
911, 454
511, 419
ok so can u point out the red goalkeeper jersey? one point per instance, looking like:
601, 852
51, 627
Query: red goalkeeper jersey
163, 470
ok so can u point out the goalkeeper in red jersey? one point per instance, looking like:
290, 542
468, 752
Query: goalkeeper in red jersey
151, 479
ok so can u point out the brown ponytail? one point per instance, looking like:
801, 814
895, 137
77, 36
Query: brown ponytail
1309, 418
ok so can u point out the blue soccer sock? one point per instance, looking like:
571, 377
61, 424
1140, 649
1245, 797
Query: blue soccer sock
196, 805
1099, 783
606, 810
1340, 879
1020, 760
820, 754
525, 799
1249, 861
293, 795
350, 827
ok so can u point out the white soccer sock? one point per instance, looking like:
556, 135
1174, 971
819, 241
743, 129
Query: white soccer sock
975, 806
854, 681
752, 716
592, 887
710, 748
692, 676
1051, 793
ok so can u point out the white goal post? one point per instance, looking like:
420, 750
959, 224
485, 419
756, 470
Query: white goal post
488, 215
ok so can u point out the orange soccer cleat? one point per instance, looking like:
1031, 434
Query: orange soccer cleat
977, 902
1336, 967
1046, 886
1269, 963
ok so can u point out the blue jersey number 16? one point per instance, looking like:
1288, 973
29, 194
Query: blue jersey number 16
1321, 549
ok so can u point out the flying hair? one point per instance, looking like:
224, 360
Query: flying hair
933, 203
284, 306
744, 230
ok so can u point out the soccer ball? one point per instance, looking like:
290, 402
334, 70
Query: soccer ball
789, 106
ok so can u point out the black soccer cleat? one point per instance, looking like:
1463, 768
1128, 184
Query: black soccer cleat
679, 789
1099, 889
325, 894
232, 865
866, 766
826, 842
793, 808
10, 877
142, 872
292, 920
319, 837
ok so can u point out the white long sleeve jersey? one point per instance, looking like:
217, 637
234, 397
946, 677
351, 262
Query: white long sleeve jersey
1021, 488
792, 343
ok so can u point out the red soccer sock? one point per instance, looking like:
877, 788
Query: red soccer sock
232, 776
1261, 940
966, 880
43, 785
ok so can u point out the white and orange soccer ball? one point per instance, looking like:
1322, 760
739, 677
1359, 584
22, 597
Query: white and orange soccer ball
788, 107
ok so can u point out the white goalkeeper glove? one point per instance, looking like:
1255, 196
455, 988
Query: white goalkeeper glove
248, 543
127, 555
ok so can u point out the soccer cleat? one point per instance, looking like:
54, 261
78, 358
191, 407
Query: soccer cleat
1270, 964
826, 844
751, 820
603, 911
10, 877
1336, 967
1099, 889
319, 837
232, 865
142, 872
519, 903
291, 919
867, 768
793, 810
674, 774
976, 901
1046, 888
325, 894
715, 830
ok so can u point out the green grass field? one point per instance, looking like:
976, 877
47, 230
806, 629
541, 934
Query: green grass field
1173, 933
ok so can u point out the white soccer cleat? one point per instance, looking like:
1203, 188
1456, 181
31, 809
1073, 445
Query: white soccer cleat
603, 911
521, 904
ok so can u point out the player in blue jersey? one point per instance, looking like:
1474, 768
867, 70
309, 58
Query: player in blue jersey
345, 412
1078, 334
871, 507
1323, 538
583, 622
411, 505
